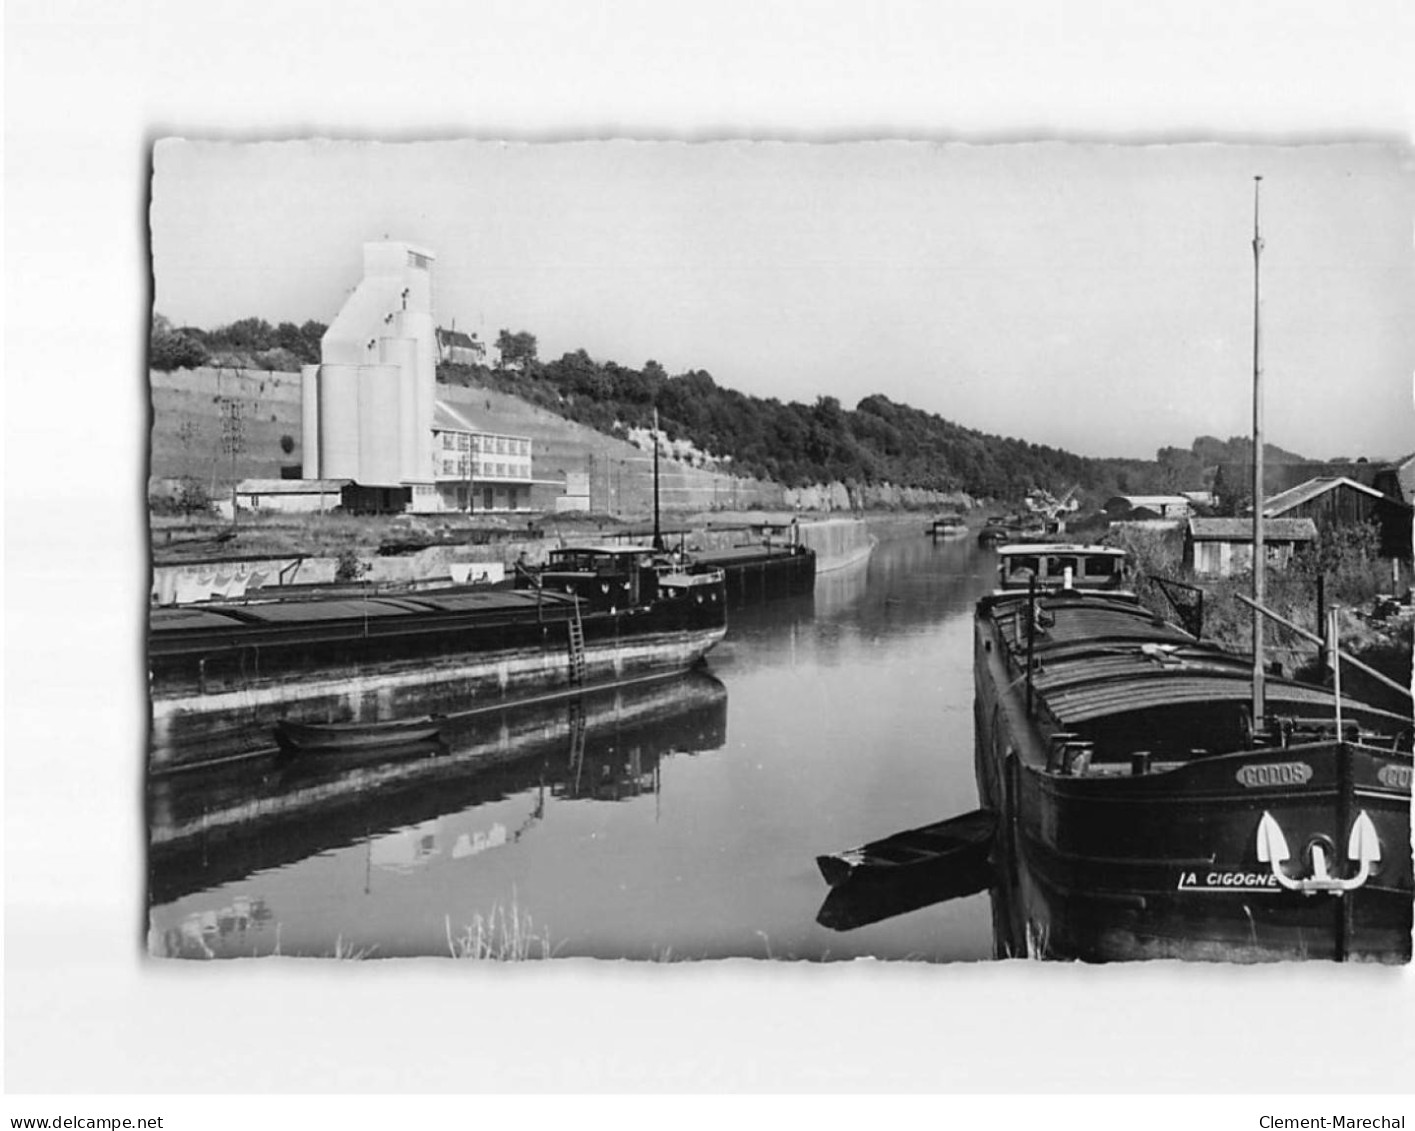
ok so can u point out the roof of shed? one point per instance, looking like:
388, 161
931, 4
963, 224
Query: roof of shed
1306, 492
1241, 529
1150, 500
291, 486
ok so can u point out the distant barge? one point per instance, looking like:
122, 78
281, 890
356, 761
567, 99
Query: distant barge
1009, 528
223, 675
775, 562
947, 526
759, 573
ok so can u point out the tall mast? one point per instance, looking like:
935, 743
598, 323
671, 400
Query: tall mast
657, 532
1259, 550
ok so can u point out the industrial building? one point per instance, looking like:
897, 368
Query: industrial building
370, 412
475, 470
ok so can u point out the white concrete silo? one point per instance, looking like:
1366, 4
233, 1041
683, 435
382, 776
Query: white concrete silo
380, 425
369, 405
339, 449
309, 420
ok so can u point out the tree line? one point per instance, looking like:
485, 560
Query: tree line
249, 343
796, 444
878, 441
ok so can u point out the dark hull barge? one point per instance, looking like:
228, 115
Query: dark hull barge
772, 562
1139, 814
761, 573
222, 676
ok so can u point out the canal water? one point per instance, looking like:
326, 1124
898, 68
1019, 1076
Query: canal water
670, 821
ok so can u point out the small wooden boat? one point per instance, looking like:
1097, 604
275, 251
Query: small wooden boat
947, 526
312, 738
873, 895
1003, 529
916, 852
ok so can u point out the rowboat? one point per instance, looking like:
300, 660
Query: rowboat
1142, 813
915, 853
947, 526
319, 738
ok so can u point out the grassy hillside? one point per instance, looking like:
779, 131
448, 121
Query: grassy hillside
189, 416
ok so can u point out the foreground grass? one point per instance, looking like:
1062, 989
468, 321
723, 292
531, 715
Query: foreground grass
503, 935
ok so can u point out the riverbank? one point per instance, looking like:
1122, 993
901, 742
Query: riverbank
320, 549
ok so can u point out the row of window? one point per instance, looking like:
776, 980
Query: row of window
491, 445
487, 469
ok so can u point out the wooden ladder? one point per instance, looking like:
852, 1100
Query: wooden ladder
577, 647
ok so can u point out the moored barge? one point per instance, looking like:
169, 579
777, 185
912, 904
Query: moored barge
222, 676
1141, 813
1009, 528
776, 563
772, 561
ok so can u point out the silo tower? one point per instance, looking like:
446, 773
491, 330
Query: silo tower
368, 405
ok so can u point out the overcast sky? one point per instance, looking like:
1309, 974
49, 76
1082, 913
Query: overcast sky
1093, 297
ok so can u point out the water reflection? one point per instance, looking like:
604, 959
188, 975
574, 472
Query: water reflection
211, 829
851, 719
199, 933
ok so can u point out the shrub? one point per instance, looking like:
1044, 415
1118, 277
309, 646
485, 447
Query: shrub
169, 351
349, 567
1349, 560
186, 496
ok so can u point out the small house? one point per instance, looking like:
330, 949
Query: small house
1221, 547
459, 348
